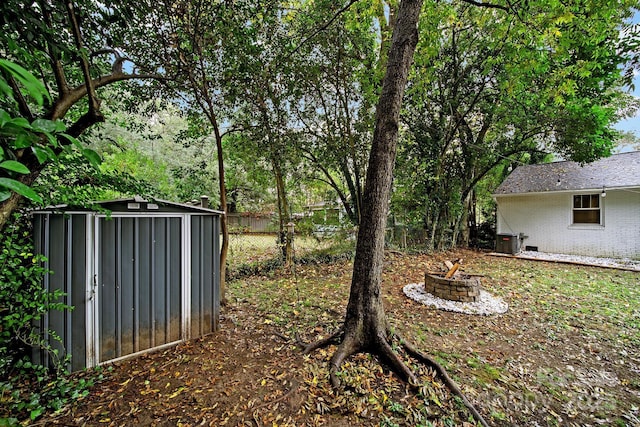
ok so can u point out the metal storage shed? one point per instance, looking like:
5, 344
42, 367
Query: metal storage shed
141, 276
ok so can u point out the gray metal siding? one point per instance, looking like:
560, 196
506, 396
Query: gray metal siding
79, 294
54, 237
205, 280
139, 277
134, 266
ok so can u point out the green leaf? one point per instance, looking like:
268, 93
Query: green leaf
43, 125
5, 88
43, 153
21, 122
52, 139
4, 118
35, 413
4, 195
23, 140
14, 166
73, 140
93, 157
20, 188
34, 87
60, 126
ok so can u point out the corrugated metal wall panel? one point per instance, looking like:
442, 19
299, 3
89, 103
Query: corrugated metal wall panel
144, 301
58, 251
62, 239
138, 281
215, 220
78, 255
139, 276
107, 265
197, 301
205, 281
174, 272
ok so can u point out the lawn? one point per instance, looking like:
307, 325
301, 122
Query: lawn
566, 353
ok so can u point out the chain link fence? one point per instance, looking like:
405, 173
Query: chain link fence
247, 249
416, 238
250, 249
250, 252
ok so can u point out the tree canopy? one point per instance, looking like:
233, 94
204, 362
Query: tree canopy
405, 110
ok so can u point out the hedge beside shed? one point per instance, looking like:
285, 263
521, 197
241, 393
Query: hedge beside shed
141, 278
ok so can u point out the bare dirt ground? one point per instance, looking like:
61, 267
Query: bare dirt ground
566, 353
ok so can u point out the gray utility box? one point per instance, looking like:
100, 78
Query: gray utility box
507, 244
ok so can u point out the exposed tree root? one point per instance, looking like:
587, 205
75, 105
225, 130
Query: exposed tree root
389, 356
332, 339
385, 353
294, 387
423, 358
346, 348
281, 336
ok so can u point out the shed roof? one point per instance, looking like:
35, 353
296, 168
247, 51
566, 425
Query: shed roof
616, 171
136, 204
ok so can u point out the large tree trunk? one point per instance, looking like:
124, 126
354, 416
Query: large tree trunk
365, 326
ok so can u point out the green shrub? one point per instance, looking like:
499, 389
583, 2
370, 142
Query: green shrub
27, 389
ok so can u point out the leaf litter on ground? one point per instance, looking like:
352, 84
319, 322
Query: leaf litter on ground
566, 353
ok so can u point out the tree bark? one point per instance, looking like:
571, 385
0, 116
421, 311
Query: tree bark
365, 325
224, 248
283, 213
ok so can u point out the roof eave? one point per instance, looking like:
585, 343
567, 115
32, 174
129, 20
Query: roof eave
573, 190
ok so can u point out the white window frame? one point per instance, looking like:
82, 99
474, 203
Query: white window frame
600, 210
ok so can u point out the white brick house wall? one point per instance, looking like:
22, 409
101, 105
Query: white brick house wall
546, 220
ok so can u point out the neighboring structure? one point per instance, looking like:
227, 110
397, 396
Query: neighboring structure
140, 275
252, 222
564, 207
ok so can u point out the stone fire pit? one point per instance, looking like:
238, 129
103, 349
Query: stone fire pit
461, 293
461, 287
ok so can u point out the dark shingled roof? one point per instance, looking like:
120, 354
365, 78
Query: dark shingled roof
619, 170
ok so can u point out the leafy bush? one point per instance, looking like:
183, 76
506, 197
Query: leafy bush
18, 134
27, 389
75, 182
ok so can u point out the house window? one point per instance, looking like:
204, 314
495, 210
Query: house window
586, 209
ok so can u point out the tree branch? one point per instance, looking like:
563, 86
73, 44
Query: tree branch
65, 102
488, 5
56, 65
323, 27
23, 105
94, 102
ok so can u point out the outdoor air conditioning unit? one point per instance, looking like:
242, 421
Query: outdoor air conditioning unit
507, 243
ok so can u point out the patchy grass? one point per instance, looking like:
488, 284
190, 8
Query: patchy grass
255, 248
567, 353
259, 254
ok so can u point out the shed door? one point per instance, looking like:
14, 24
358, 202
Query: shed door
139, 274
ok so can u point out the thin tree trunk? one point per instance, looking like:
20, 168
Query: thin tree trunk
224, 249
283, 213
